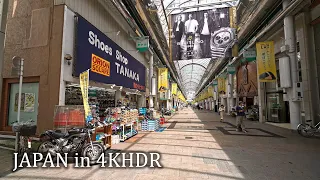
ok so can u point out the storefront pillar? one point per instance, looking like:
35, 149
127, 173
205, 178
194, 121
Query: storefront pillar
151, 104
141, 101
262, 101
230, 100
290, 41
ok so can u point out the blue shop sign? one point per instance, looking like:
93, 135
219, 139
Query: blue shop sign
109, 63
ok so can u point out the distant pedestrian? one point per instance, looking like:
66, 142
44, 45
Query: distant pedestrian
240, 117
221, 112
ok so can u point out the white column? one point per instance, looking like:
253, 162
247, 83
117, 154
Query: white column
230, 101
290, 40
262, 102
151, 104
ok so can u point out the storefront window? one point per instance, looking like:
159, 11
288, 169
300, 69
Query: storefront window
29, 102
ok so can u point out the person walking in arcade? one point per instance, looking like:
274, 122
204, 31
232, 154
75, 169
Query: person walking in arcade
221, 112
240, 117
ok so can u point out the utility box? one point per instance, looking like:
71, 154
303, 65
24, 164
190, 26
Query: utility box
298, 92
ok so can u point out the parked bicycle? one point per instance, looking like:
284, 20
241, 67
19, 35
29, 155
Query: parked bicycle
24, 131
307, 129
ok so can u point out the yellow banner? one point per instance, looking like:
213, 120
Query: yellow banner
267, 70
221, 85
84, 85
178, 93
210, 91
174, 88
162, 79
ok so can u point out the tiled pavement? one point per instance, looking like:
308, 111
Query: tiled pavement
196, 145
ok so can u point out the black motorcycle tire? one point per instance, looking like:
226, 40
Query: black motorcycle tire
93, 157
42, 145
306, 130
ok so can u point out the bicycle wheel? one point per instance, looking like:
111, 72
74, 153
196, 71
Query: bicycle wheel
305, 130
23, 141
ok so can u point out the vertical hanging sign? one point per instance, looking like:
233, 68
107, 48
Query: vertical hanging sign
84, 84
174, 88
162, 79
221, 85
267, 70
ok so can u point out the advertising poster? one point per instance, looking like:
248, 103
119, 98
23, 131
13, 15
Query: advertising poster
266, 61
201, 34
29, 102
162, 79
174, 88
221, 85
16, 101
84, 85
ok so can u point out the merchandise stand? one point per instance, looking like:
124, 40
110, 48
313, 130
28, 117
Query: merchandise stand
124, 136
103, 135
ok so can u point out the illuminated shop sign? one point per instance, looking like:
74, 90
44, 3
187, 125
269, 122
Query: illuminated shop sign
109, 63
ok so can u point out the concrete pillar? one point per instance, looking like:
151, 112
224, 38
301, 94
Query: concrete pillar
141, 101
230, 101
151, 104
290, 40
262, 101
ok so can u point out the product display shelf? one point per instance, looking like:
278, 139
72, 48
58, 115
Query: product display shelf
103, 134
150, 125
124, 135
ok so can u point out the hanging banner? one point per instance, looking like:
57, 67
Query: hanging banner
84, 85
267, 70
221, 85
142, 43
210, 91
162, 79
202, 34
174, 88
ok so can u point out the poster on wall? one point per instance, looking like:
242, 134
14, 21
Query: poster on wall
267, 70
201, 34
29, 102
162, 79
16, 101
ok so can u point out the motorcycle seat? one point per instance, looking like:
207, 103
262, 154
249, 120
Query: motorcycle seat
58, 134
308, 120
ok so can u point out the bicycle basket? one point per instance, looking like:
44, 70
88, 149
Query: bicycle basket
28, 130
16, 127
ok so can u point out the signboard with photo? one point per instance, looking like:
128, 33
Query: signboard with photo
201, 34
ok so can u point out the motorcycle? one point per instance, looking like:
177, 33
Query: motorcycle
167, 112
75, 141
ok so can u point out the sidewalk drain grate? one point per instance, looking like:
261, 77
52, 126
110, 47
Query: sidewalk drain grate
188, 137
